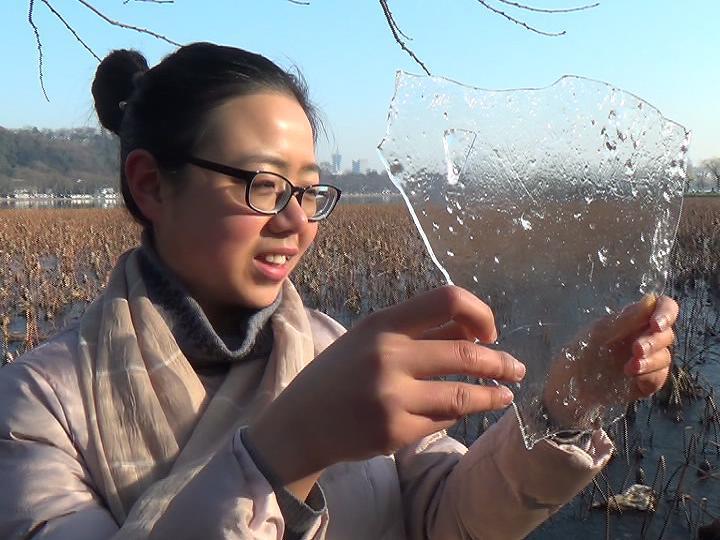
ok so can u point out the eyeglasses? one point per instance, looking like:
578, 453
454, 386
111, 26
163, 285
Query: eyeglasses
269, 193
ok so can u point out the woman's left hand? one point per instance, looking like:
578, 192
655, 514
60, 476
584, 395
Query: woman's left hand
595, 371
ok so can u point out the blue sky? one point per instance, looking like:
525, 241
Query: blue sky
665, 51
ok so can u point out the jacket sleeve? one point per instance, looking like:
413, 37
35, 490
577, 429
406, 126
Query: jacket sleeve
495, 490
48, 491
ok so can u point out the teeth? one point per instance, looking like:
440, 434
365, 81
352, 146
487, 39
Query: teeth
275, 259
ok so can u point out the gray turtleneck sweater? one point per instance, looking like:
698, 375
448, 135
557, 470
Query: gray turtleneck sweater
212, 355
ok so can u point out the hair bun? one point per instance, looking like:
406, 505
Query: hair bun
114, 83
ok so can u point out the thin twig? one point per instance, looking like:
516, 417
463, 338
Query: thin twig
396, 32
551, 10
518, 21
396, 26
127, 26
70, 28
39, 48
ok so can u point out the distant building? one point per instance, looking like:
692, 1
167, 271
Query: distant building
358, 166
106, 193
336, 162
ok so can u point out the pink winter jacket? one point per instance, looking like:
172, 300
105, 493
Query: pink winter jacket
434, 489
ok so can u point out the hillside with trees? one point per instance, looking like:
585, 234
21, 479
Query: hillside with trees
79, 160
84, 160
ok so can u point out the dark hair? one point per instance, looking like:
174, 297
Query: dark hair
164, 109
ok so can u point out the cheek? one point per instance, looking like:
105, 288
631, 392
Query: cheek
195, 212
243, 229
238, 236
224, 244
307, 236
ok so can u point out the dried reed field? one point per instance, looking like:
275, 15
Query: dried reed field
53, 262
697, 250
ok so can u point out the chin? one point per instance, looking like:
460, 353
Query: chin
260, 297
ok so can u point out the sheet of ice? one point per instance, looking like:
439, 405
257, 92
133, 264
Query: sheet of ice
557, 206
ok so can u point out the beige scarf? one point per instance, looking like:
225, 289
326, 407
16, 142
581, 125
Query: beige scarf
151, 424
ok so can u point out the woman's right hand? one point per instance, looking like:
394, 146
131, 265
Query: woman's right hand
370, 393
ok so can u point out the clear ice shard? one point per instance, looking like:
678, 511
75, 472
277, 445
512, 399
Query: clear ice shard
556, 206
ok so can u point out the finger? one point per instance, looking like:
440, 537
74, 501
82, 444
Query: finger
436, 308
444, 400
632, 319
641, 366
459, 357
649, 383
451, 330
651, 342
666, 313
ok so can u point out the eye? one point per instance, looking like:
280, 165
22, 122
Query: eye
267, 183
264, 185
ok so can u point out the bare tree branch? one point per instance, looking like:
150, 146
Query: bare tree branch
518, 21
88, 5
127, 26
396, 32
399, 30
72, 30
39, 48
551, 10
393, 22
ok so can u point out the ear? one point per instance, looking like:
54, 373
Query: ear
144, 182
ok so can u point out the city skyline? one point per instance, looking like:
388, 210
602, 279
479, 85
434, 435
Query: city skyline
335, 164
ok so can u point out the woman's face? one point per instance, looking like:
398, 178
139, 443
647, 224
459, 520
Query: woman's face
226, 254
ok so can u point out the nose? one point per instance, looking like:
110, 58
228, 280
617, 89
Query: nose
292, 218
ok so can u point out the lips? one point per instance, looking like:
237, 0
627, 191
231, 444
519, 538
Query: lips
273, 263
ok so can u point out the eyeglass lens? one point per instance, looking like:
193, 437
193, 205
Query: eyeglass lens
269, 193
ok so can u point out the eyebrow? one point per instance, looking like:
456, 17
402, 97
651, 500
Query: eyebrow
276, 161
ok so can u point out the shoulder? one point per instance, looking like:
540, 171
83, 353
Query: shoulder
324, 329
50, 359
45, 377
38, 391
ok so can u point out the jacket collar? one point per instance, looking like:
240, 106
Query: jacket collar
187, 321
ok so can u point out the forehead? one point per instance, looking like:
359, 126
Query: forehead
257, 123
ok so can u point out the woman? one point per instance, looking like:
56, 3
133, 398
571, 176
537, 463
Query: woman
177, 408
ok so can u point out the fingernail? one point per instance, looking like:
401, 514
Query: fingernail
506, 395
646, 346
520, 370
661, 322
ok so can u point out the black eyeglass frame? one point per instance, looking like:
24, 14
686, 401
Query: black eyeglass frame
248, 176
